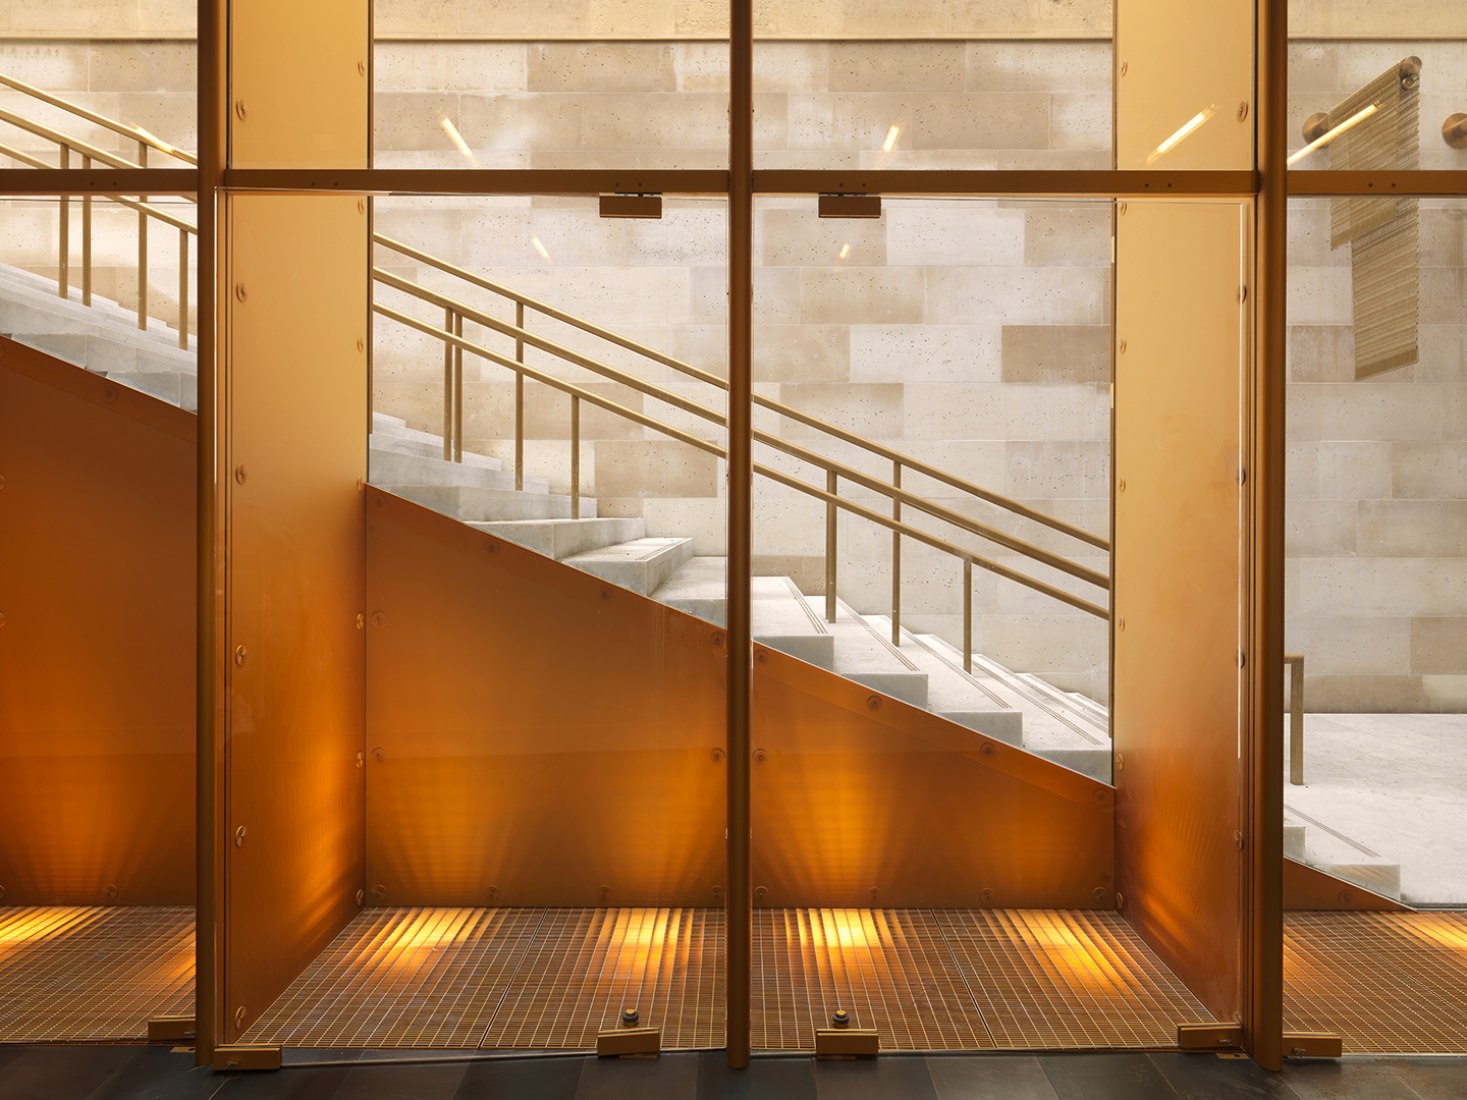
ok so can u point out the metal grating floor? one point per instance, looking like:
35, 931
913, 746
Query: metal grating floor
1385, 983
552, 978
78, 975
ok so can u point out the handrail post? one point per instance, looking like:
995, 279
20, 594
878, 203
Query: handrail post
183, 289
832, 483
519, 400
86, 231
142, 247
448, 387
458, 390
1295, 661
575, 447
968, 615
63, 262
896, 559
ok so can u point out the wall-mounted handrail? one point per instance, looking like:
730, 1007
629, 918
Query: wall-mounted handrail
708, 446
132, 133
913, 464
461, 311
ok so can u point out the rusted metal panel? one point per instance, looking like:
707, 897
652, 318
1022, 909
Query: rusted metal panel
96, 639
536, 736
1308, 888
860, 799
1178, 588
296, 330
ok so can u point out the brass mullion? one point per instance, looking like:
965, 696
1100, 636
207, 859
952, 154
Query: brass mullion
86, 231
63, 251
519, 400
142, 247
896, 559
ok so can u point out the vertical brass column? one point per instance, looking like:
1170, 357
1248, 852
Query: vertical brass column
1264, 758
740, 479
213, 152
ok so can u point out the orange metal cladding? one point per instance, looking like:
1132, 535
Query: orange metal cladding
859, 799
536, 736
96, 646
1177, 588
296, 327
1307, 888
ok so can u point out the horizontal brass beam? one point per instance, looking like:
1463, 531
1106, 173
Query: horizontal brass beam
481, 181
1000, 184
105, 181
1430, 183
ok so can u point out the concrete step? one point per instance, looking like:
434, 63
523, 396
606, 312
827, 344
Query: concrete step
1047, 732
781, 619
642, 565
388, 466
473, 504
175, 387
1335, 853
864, 655
563, 538
392, 433
1070, 703
954, 695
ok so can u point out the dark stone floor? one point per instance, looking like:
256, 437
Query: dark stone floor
152, 1073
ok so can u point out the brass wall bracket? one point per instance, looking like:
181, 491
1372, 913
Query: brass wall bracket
850, 206
1454, 130
1313, 1044
631, 206
171, 1029
629, 1042
847, 1042
1210, 1036
246, 1056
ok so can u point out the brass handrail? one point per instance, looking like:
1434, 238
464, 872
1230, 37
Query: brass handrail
708, 446
130, 132
907, 461
458, 310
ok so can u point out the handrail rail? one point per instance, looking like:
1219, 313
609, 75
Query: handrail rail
907, 461
116, 127
112, 160
710, 447
132, 204
893, 492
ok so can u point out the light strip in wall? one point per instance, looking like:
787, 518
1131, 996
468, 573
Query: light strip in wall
1330, 135
891, 138
1181, 135
458, 139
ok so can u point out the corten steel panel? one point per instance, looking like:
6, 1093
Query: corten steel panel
1184, 85
96, 643
859, 799
1178, 587
296, 324
536, 736
1308, 888
300, 83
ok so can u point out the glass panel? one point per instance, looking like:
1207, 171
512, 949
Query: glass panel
97, 610
891, 84
568, 84
1377, 86
96, 79
1377, 550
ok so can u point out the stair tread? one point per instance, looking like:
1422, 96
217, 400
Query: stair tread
638, 550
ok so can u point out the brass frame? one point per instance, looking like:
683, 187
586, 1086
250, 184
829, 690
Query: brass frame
1268, 189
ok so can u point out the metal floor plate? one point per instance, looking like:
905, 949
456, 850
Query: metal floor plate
1386, 983
93, 974
552, 978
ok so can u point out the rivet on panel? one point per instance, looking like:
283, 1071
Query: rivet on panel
379, 891
1243, 293
2, 891
109, 394
239, 836
1344, 897
1242, 659
1123, 206
873, 702
630, 1015
1099, 894
361, 896
1120, 763
1243, 111
240, 292
111, 893
381, 503
361, 68
760, 893
760, 755
239, 109
361, 344
717, 639
1121, 623
717, 756
1120, 485
840, 1017
718, 894
605, 894
1102, 795
2, 481
361, 759
240, 474
1125, 67
361, 621
1238, 838
1121, 347
2, 618
492, 893
377, 753
761, 658
986, 749
1120, 901
606, 593
379, 618
240, 653
239, 1016
985, 896
872, 894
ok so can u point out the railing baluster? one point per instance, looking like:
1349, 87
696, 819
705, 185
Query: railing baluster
86, 242
63, 270
575, 457
967, 614
832, 483
896, 560
1295, 661
519, 401
142, 247
183, 289
448, 387
458, 390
